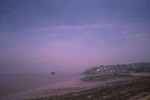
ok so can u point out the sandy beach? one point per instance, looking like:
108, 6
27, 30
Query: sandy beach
64, 88
127, 89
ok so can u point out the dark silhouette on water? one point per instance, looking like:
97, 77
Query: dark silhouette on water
52, 73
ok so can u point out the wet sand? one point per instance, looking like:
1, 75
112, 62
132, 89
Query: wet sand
123, 88
62, 88
127, 89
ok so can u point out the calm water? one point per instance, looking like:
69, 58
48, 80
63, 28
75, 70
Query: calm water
14, 83
17, 87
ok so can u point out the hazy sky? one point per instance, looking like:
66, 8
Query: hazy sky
70, 35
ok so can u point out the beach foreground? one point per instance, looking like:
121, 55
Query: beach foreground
135, 88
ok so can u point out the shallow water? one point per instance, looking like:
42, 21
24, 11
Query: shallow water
44, 85
14, 83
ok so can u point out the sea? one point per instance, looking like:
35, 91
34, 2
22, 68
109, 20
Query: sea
21, 86
15, 83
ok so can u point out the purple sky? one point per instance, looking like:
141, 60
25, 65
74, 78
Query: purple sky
72, 35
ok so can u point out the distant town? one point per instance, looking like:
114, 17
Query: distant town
120, 68
98, 71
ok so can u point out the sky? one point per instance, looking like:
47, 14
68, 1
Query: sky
72, 35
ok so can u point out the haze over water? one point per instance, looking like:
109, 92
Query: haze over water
11, 84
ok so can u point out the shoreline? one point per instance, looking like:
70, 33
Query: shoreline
60, 89
77, 89
133, 89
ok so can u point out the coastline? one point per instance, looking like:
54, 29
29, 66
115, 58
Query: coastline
131, 89
123, 87
61, 88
